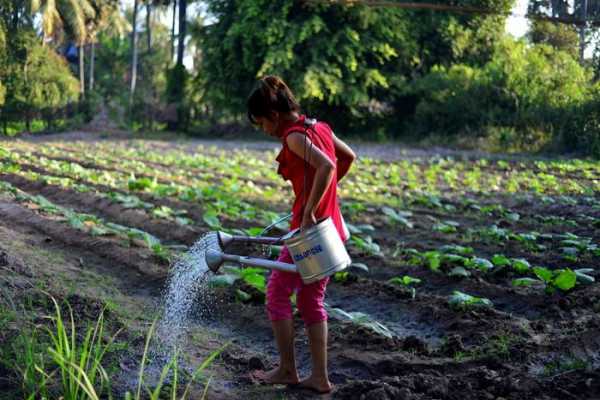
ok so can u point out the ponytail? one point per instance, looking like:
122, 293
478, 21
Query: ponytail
271, 94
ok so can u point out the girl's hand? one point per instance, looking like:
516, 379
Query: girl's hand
308, 220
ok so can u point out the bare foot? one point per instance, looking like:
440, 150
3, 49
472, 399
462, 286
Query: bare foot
276, 376
319, 385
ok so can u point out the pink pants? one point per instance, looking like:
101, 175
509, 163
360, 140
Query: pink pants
309, 298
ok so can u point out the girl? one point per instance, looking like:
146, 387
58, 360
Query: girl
314, 160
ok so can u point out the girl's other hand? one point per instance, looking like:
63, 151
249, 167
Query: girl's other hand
308, 220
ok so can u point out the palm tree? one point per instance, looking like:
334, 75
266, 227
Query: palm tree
182, 31
68, 17
134, 53
108, 16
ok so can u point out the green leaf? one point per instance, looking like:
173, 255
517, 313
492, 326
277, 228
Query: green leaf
459, 272
565, 280
341, 276
481, 264
456, 249
462, 301
211, 220
544, 274
242, 296
360, 266
433, 259
404, 281
520, 265
583, 277
223, 280
514, 217
99, 231
364, 228
254, 231
183, 221
500, 260
76, 222
525, 281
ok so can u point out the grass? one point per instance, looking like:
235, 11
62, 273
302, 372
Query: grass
60, 359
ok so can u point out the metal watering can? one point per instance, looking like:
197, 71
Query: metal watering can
317, 252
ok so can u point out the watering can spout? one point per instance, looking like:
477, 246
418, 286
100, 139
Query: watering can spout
224, 239
214, 260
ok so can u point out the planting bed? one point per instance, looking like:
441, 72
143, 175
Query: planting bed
473, 277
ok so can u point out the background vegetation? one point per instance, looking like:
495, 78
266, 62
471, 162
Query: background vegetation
374, 72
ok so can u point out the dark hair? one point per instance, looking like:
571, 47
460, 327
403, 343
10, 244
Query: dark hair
271, 94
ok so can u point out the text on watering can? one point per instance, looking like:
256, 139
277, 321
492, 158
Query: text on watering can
310, 252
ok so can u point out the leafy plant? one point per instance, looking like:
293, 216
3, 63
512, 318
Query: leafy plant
361, 319
446, 226
398, 217
406, 281
561, 279
463, 302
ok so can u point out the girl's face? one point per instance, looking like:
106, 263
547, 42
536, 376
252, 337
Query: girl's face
268, 125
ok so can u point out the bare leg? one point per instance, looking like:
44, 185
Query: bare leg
286, 372
319, 379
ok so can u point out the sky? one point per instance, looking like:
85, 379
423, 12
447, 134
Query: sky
516, 24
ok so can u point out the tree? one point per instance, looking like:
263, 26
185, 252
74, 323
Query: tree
37, 80
134, 53
2, 62
107, 18
580, 12
559, 36
69, 17
350, 62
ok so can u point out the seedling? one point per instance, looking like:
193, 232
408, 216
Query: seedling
398, 217
406, 281
463, 302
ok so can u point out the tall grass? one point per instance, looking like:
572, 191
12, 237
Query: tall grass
68, 363
171, 368
79, 362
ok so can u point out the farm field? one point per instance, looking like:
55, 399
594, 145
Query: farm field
473, 277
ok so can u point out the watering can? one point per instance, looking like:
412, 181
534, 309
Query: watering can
317, 252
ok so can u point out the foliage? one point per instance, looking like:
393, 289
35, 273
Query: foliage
463, 302
350, 63
560, 36
66, 359
520, 86
37, 79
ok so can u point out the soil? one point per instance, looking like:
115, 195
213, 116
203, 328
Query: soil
530, 345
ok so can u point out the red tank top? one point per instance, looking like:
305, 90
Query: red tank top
293, 168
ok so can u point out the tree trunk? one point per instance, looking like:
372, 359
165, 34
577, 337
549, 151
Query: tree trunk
82, 70
173, 30
92, 55
148, 23
182, 31
134, 54
582, 31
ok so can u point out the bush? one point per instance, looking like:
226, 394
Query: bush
578, 125
38, 81
525, 89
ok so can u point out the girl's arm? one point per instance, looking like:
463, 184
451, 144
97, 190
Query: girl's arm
345, 157
302, 146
